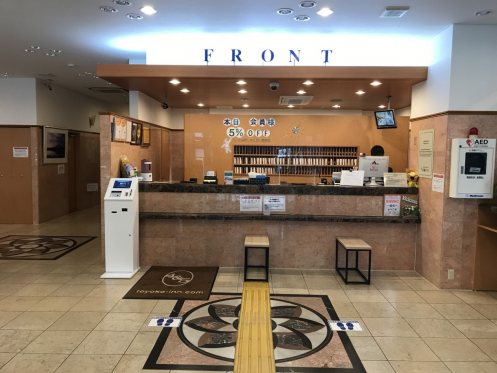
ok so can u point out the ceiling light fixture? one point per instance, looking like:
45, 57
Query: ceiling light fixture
307, 4
81, 74
308, 82
5, 74
50, 54
108, 9
290, 106
302, 18
134, 16
394, 11
35, 47
360, 92
174, 81
382, 106
58, 51
200, 104
284, 11
325, 12
241, 82
375, 83
122, 2
336, 106
245, 105
148, 10
87, 73
482, 13
96, 77
301, 92
29, 50
184, 90
242, 91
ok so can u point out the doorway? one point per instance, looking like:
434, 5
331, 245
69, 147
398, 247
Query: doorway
71, 171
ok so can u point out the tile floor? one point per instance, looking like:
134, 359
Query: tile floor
59, 316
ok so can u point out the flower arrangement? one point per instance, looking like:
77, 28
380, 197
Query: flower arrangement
411, 211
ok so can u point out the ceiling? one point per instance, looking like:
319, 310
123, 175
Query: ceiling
86, 35
216, 85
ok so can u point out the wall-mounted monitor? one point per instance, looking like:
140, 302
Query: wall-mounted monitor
385, 119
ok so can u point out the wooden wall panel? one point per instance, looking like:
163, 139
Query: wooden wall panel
15, 178
204, 136
88, 169
165, 156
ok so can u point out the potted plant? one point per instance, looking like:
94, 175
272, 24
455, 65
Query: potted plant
411, 212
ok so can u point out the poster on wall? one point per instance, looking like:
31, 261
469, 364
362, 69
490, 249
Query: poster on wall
425, 153
128, 130
391, 206
54, 145
136, 134
437, 183
119, 129
146, 129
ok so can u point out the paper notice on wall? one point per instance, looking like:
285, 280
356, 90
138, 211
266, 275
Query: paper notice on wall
61, 169
437, 183
392, 206
425, 153
277, 203
92, 187
250, 203
20, 151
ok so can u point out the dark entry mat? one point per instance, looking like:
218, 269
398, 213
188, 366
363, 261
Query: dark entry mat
174, 283
24, 247
302, 338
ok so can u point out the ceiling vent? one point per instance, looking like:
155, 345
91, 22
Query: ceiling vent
224, 107
394, 11
295, 100
108, 90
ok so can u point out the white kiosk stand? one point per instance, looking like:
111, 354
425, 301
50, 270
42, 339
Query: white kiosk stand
121, 228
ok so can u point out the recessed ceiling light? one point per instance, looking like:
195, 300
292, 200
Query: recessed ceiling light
148, 10
56, 51
174, 81
290, 106
122, 2
5, 74
302, 18
70, 65
200, 104
325, 12
245, 105
482, 13
284, 11
382, 106
29, 50
360, 92
81, 74
35, 47
242, 91
307, 4
134, 16
301, 92
375, 83
241, 82
108, 9
308, 82
50, 54
184, 90
336, 106
88, 73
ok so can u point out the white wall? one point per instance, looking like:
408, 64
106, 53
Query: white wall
474, 68
18, 101
64, 108
432, 95
404, 112
147, 109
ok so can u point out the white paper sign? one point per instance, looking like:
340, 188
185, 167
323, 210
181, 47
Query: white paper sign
20, 152
437, 183
228, 177
352, 178
250, 203
165, 321
394, 179
92, 187
345, 326
425, 153
392, 206
277, 203
61, 169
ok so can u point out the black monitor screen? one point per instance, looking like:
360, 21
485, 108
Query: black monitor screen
385, 119
125, 184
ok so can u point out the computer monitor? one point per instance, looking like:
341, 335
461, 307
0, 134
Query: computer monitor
373, 166
385, 119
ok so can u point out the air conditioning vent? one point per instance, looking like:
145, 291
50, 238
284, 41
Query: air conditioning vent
295, 100
108, 90
394, 11
47, 75
224, 107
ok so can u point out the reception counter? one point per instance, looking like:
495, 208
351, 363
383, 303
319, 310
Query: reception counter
196, 224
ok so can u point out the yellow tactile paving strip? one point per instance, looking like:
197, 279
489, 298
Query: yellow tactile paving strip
254, 346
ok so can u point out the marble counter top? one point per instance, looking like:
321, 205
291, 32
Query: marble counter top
491, 207
279, 217
158, 187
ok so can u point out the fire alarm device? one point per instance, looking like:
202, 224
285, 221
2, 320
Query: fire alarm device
472, 168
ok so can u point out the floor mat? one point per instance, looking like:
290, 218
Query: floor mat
174, 283
27, 247
302, 338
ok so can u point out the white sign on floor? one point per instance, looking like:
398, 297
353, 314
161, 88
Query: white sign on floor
165, 321
345, 326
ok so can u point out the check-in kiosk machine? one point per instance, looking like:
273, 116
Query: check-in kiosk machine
472, 168
121, 228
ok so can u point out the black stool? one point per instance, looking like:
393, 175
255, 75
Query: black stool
256, 242
353, 244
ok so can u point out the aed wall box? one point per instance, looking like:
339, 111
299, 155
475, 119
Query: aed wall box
472, 167
121, 228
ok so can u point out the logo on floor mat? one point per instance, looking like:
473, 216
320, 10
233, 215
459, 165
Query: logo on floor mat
177, 278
